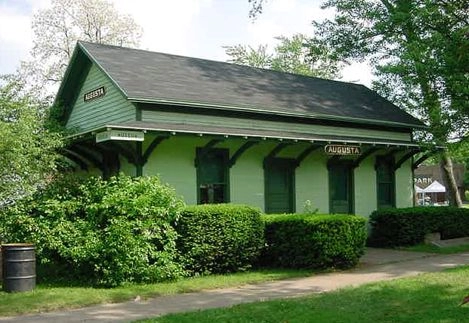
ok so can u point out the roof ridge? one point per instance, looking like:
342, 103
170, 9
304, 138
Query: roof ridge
221, 62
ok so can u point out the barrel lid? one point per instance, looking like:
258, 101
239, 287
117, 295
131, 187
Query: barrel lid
17, 245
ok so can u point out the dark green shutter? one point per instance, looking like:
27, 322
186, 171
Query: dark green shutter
341, 193
279, 185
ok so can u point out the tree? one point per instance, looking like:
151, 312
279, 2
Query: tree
27, 149
57, 29
256, 7
460, 153
298, 55
419, 51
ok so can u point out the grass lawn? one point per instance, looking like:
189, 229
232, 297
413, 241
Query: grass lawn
435, 249
50, 297
425, 298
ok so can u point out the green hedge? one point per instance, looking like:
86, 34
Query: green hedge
408, 226
219, 238
99, 232
313, 241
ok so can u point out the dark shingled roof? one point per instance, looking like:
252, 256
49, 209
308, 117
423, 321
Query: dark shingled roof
145, 76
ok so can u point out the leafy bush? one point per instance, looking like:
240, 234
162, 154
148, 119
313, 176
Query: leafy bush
105, 232
219, 238
408, 226
313, 241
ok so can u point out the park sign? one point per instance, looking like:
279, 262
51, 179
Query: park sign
342, 150
125, 135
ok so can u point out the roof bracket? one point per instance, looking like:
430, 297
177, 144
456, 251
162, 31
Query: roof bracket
88, 155
404, 158
363, 156
241, 151
305, 154
275, 151
205, 149
422, 159
158, 140
130, 154
76, 158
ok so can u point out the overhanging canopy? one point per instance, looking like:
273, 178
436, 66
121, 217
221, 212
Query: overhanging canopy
418, 189
435, 187
182, 128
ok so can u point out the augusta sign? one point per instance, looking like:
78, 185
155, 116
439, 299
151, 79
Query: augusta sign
124, 135
342, 150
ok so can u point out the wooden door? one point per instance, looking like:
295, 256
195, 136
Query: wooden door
341, 188
279, 186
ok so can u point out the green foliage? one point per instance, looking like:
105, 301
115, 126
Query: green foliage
27, 148
418, 49
104, 232
408, 226
460, 152
314, 241
298, 55
57, 28
219, 238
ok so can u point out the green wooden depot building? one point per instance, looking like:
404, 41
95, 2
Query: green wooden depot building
220, 132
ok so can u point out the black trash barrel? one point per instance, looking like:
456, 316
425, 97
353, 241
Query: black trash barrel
19, 267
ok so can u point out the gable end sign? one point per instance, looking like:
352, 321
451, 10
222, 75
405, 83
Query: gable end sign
124, 135
342, 150
94, 94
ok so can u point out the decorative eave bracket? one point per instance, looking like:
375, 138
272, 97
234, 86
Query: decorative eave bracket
364, 155
212, 143
274, 152
241, 150
305, 153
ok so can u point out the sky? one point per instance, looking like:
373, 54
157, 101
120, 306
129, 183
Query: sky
196, 28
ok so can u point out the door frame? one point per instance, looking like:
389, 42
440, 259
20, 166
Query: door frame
348, 164
290, 163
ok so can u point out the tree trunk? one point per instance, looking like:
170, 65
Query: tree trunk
446, 166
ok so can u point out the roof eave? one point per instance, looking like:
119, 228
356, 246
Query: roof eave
366, 141
65, 79
279, 113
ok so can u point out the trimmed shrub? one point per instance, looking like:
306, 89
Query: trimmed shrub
100, 232
408, 226
313, 241
219, 238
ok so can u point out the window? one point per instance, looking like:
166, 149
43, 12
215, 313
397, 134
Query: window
212, 176
385, 178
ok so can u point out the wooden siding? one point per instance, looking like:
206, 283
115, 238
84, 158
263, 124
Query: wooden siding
111, 108
174, 117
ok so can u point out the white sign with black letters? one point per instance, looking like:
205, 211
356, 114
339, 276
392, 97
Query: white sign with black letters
125, 135
94, 94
